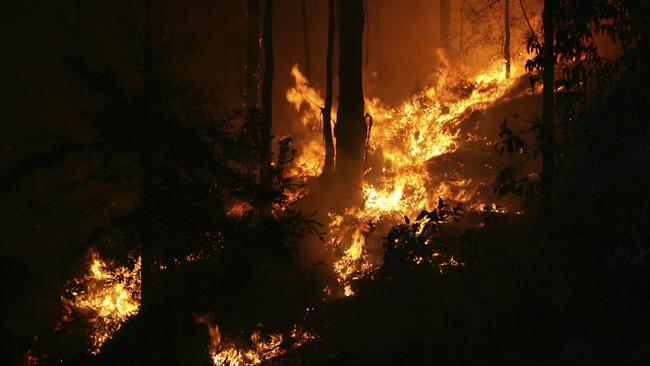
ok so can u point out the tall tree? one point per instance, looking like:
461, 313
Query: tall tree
506, 41
327, 110
252, 52
146, 278
266, 179
546, 133
380, 68
461, 32
445, 23
350, 130
305, 37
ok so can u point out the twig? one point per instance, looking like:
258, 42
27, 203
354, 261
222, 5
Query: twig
523, 10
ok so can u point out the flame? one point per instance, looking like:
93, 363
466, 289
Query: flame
264, 348
352, 262
310, 162
107, 296
404, 139
308, 102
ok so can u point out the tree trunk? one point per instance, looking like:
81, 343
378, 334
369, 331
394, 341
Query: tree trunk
445, 23
252, 52
305, 36
267, 112
547, 139
506, 41
350, 128
327, 110
146, 260
380, 68
461, 32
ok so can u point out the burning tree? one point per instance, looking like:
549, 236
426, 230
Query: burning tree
351, 129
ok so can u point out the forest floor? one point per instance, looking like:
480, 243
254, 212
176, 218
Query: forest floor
526, 301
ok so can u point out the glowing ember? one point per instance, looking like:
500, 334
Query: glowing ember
107, 295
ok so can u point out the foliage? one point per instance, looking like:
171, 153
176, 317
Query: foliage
509, 179
187, 163
584, 80
408, 245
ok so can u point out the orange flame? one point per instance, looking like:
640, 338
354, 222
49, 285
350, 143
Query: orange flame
405, 137
107, 295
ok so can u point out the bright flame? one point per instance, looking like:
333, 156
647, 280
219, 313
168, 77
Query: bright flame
308, 102
404, 140
264, 348
107, 295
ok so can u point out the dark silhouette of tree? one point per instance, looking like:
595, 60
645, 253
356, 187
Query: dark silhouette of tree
547, 139
461, 34
327, 109
350, 128
252, 52
506, 40
266, 179
575, 78
147, 283
186, 161
445, 23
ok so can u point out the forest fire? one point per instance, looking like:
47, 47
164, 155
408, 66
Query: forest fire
397, 183
403, 140
339, 182
106, 296
264, 347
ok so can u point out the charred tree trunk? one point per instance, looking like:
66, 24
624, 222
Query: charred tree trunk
327, 110
380, 67
547, 138
461, 32
506, 41
252, 52
305, 35
445, 23
350, 128
266, 178
146, 280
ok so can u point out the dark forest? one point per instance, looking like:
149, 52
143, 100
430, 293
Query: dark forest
325, 182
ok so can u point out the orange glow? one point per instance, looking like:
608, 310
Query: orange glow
406, 137
107, 295
264, 347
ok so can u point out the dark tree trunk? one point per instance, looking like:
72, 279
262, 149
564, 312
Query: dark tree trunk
445, 23
506, 41
327, 110
461, 46
305, 36
267, 112
252, 52
380, 67
547, 139
350, 128
146, 260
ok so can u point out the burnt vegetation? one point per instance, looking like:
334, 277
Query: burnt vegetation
194, 242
